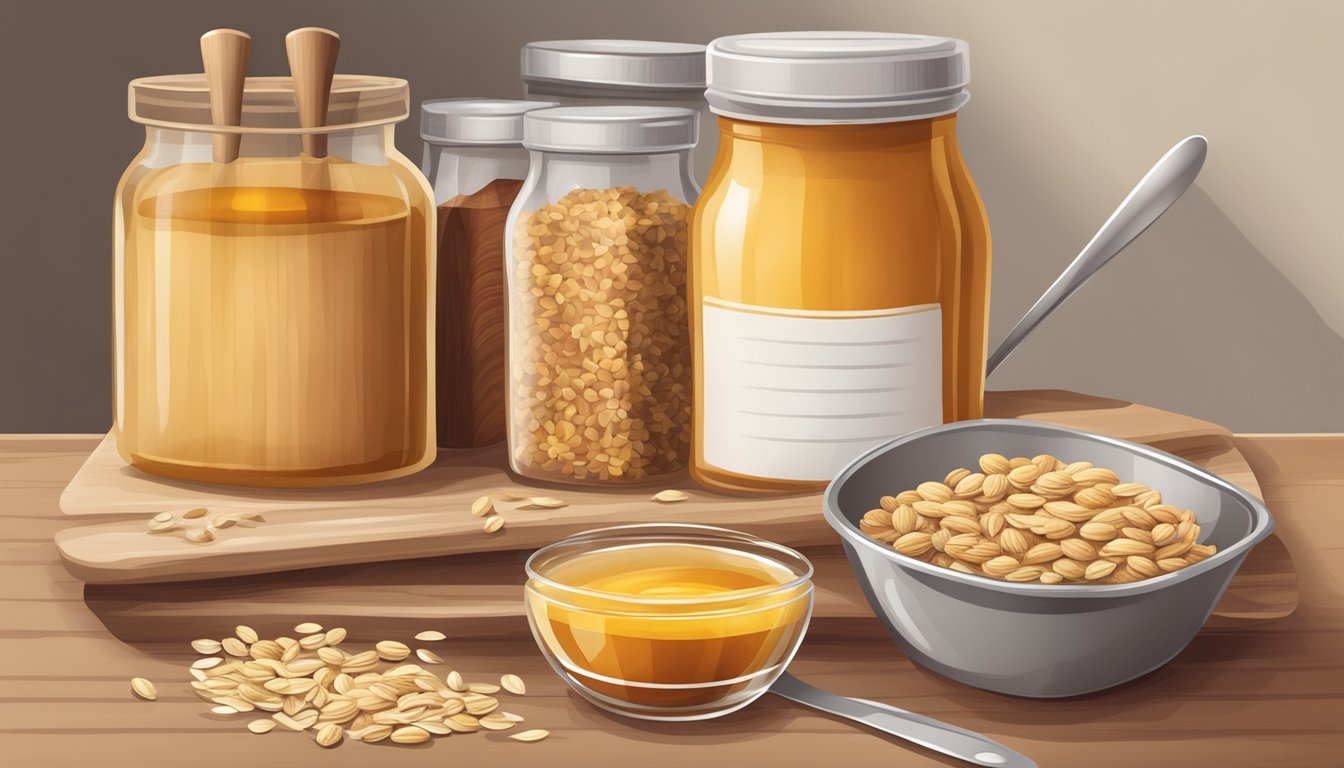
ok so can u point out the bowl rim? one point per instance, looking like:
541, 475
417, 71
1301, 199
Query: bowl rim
1262, 521
711, 533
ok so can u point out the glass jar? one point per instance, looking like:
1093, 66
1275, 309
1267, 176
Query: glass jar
599, 353
613, 72
476, 163
273, 314
841, 259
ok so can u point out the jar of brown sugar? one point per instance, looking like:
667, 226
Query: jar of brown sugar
599, 348
475, 160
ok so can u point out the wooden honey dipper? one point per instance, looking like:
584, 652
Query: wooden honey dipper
312, 65
224, 55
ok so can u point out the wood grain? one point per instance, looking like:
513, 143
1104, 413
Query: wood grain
470, 345
424, 515
1249, 694
224, 55
312, 55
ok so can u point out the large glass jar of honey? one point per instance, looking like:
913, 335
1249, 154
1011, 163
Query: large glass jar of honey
273, 309
840, 256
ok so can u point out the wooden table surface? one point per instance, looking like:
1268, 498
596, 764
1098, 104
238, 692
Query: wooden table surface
1248, 694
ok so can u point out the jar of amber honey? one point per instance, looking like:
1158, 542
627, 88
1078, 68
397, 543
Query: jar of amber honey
840, 256
273, 309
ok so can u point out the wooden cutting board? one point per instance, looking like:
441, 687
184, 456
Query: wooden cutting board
427, 515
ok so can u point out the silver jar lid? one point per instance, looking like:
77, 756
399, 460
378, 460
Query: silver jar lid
476, 121
836, 77
611, 129
618, 63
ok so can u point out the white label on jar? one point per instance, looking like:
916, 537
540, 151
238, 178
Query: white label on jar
797, 394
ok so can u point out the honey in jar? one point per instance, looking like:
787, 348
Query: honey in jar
840, 256
273, 313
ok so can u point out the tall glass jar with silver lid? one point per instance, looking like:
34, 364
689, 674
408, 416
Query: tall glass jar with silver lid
475, 161
594, 72
599, 385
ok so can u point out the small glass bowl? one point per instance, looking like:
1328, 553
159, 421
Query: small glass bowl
666, 621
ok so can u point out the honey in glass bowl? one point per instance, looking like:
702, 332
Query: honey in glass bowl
668, 622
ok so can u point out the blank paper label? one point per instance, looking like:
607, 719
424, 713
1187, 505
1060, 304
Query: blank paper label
796, 394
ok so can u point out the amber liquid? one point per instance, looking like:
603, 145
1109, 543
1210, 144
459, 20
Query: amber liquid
472, 316
743, 629
844, 217
273, 335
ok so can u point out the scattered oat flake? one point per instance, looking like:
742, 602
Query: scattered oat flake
483, 506
223, 709
494, 524
163, 517
535, 734
192, 514
545, 502
144, 689
428, 656
307, 628
391, 650
206, 645
670, 496
496, 722
430, 636
201, 536
261, 726
513, 684
330, 735
158, 527
410, 735
207, 662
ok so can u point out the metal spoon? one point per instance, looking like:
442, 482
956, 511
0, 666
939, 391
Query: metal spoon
1164, 183
924, 731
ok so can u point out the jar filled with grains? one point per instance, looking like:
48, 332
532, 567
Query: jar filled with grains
599, 351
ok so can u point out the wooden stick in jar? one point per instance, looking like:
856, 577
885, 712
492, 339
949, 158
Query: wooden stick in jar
312, 64
224, 54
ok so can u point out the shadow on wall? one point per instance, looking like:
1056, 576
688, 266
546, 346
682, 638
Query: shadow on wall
1191, 318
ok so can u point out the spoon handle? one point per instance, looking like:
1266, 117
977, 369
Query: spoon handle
924, 731
312, 64
224, 56
1164, 183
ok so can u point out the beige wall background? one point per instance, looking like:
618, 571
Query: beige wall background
1230, 308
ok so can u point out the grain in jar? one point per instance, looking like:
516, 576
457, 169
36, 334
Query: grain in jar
599, 348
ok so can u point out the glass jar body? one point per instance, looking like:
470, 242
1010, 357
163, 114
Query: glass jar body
474, 188
599, 370
840, 278
273, 314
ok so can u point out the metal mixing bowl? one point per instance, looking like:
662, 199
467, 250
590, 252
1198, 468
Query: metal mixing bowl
1040, 640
